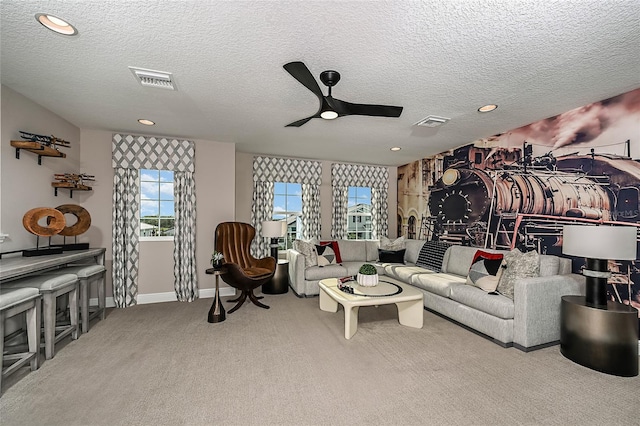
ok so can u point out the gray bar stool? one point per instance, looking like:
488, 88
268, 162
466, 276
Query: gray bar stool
15, 301
88, 274
50, 287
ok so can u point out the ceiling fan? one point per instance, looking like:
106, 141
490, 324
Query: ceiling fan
331, 107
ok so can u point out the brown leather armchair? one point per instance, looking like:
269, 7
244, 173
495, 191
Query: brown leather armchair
243, 271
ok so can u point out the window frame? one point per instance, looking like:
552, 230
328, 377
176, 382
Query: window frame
357, 219
158, 200
282, 241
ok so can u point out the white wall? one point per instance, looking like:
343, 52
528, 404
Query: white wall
244, 194
26, 185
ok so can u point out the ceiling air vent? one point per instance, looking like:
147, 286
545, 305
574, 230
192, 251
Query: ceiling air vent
432, 121
151, 78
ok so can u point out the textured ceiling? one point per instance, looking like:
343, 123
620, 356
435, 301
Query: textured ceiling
534, 59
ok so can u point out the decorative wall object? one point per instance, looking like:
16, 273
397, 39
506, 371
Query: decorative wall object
518, 188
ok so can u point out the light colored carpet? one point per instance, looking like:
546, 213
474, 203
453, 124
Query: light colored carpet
163, 364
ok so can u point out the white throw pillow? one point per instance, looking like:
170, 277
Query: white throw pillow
395, 245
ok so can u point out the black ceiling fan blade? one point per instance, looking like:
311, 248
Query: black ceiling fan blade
347, 108
300, 72
301, 122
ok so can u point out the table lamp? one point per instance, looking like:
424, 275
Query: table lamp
598, 244
274, 229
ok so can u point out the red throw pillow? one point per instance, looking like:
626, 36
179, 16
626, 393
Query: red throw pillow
334, 246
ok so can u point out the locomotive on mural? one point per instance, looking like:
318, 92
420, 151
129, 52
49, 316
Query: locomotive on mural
484, 199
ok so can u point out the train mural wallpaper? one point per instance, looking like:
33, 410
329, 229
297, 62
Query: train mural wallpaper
518, 188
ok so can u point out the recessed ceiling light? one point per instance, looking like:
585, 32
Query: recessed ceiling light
396, 148
56, 24
487, 108
146, 122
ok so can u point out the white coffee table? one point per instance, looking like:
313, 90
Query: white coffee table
409, 302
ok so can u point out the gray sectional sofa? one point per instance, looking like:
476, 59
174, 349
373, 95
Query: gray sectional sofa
530, 321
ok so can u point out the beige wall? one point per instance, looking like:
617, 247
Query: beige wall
25, 184
244, 194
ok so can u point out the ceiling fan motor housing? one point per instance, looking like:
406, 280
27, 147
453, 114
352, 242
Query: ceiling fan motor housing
330, 78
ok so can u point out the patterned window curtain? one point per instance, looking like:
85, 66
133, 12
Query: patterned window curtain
271, 170
130, 153
184, 248
310, 211
375, 177
261, 210
126, 226
340, 207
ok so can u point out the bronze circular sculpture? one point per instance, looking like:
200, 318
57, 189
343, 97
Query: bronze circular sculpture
83, 219
55, 221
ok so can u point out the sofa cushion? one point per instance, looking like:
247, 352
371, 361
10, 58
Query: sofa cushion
457, 259
549, 265
517, 265
437, 283
308, 250
326, 255
484, 266
352, 250
492, 304
404, 273
397, 244
372, 250
431, 255
413, 250
315, 273
390, 256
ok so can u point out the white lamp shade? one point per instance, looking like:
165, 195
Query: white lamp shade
600, 242
274, 228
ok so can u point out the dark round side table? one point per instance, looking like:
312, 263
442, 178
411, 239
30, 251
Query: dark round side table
279, 284
217, 312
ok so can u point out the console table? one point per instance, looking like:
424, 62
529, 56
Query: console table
15, 267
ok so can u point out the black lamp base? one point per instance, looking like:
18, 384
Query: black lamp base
274, 248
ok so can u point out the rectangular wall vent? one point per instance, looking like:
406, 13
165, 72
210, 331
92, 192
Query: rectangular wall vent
151, 78
432, 121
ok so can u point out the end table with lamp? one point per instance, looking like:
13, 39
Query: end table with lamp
595, 332
279, 283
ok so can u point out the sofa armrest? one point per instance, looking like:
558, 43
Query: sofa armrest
537, 307
296, 271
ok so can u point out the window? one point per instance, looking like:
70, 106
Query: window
359, 213
157, 214
287, 205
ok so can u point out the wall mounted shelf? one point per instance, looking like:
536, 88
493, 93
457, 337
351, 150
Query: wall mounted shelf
41, 150
70, 186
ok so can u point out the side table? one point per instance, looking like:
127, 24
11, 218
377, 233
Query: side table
604, 340
217, 312
279, 284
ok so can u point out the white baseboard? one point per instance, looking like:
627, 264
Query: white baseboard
169, 296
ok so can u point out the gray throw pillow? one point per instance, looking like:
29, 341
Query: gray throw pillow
517, 265
308, 250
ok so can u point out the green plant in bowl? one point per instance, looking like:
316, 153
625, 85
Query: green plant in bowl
367, 275
368, 269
